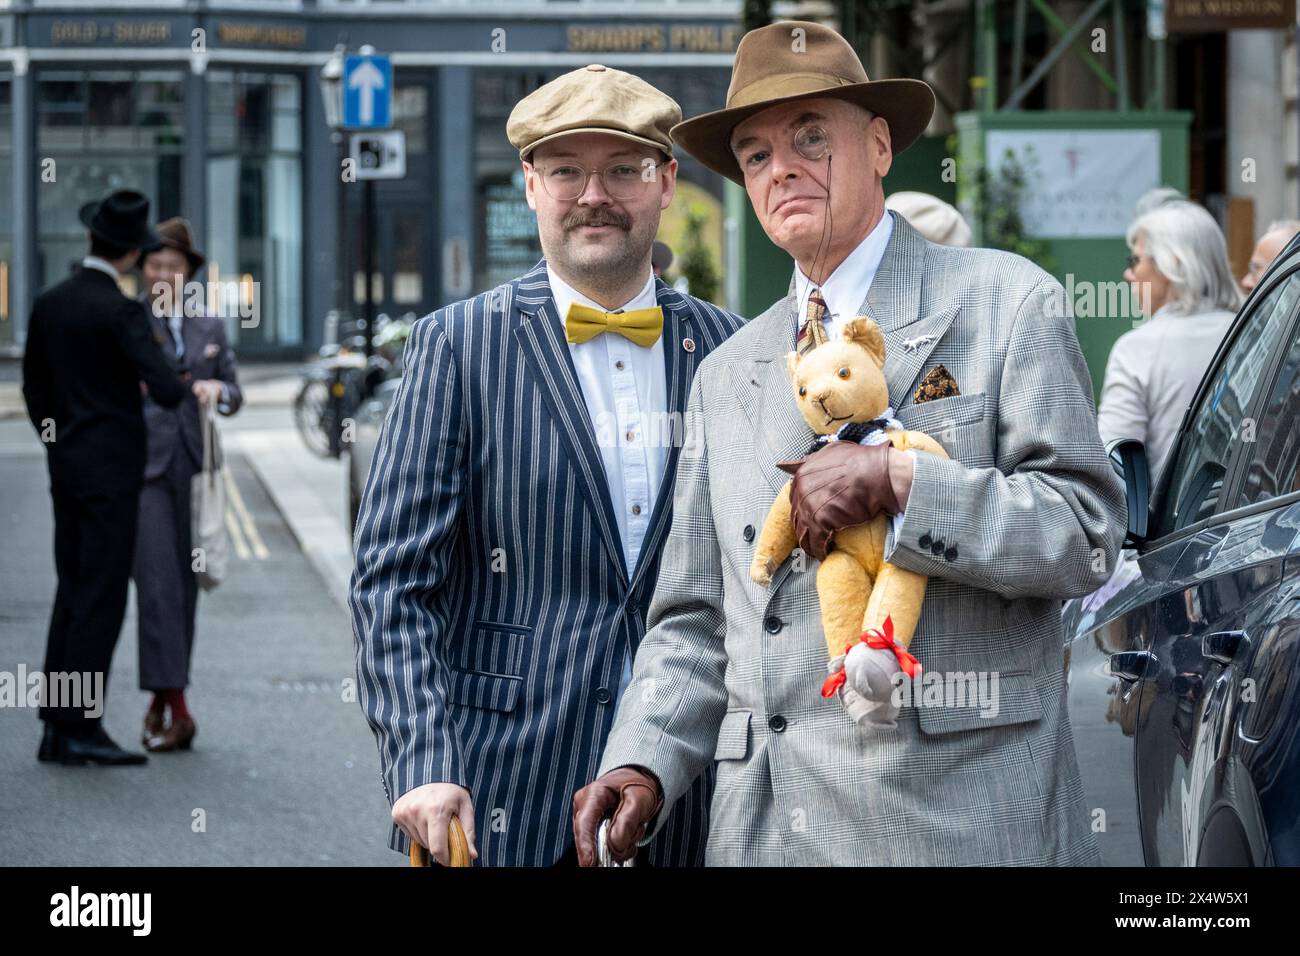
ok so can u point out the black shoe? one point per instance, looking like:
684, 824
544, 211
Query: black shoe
49, 751
98, 748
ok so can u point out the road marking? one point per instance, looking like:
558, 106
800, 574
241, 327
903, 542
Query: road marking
257, 545
236, 536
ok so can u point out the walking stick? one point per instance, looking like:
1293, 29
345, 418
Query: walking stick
456, 841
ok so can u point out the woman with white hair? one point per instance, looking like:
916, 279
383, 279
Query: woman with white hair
1183, 285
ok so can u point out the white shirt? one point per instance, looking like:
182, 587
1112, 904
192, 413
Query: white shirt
94, 262
845, 290
174, 321
626, 391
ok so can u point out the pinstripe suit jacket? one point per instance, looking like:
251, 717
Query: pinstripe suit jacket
1026, 513
490, 603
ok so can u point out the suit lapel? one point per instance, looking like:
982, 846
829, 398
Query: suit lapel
540, 335
893, 302
195, 339
679, 371
163, 336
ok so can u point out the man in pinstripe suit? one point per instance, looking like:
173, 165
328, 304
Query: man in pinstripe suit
1025, 512
508, 542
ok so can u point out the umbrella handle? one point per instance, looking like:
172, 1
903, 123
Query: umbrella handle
603, 856
456, 841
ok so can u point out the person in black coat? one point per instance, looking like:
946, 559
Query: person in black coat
88, 349
166, 587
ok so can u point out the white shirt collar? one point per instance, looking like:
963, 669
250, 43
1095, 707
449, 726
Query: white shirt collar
845, 289
94, 262
565, 295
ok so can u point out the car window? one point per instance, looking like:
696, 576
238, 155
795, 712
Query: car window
1205, 447
1274, 468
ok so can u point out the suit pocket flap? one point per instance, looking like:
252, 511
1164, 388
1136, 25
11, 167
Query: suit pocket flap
953, 702
733, 736
489, 691
942, 414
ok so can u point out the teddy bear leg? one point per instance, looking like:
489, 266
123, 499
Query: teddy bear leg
842, 585
874, 673
898, 594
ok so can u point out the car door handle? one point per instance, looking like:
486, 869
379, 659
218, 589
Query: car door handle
1222, 646
1131, 665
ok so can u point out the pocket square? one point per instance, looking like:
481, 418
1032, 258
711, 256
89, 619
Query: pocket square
211, 350
938, 383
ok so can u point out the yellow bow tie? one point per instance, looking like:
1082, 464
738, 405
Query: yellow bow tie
641, 326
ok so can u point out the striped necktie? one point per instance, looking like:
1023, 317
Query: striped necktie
812, 332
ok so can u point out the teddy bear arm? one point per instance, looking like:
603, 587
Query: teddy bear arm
918, 441
776, 540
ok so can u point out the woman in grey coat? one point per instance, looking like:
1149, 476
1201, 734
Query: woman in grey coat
166, 586
1183, 285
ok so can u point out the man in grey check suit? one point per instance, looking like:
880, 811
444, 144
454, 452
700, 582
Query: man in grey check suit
1025, 512
509, 536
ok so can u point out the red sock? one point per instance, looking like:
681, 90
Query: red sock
159, 702
176, 701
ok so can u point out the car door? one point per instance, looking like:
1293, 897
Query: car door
1251, 799
1222, 587
1111, 653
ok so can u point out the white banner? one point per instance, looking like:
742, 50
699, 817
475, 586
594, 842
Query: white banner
1080, 184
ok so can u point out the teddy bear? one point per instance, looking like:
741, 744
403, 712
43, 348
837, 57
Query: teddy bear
869, 607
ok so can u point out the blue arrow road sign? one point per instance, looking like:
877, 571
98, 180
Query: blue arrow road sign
367, 91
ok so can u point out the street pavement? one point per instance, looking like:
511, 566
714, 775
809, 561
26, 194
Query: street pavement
284, 769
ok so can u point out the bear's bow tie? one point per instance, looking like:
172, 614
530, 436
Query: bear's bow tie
641, 326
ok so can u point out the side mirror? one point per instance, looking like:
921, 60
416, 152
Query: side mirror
1129, 459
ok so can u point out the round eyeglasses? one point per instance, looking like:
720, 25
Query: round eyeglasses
565, 182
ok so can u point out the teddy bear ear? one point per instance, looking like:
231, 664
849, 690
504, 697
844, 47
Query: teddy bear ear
867, 334
791, 364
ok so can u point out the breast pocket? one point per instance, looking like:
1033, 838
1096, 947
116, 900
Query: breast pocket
487, 668
956, 423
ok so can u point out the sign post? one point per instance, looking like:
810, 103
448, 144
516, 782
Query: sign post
368, 105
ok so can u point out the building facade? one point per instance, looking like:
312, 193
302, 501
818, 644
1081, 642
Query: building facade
213, 108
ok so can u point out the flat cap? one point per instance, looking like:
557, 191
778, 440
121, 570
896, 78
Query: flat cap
594, 99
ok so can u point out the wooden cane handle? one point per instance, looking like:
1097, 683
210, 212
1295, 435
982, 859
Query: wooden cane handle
456, 842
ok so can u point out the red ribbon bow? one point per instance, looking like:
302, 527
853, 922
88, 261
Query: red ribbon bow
875, 639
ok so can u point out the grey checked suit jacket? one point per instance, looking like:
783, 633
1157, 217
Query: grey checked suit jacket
1027, 512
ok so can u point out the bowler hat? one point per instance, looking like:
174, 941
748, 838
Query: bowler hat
797, 60
121, 218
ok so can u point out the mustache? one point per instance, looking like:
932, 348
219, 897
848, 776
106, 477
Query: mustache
587, 217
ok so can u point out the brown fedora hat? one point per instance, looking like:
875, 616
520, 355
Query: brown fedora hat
175, 233
779, 64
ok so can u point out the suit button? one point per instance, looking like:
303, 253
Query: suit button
748, 533
936, 548
951, 553
777, 724
772, 624
924, 541
603, 696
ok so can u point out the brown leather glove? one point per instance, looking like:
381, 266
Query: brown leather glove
842, 485
634, 797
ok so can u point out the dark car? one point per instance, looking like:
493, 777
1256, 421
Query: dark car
1183, 668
